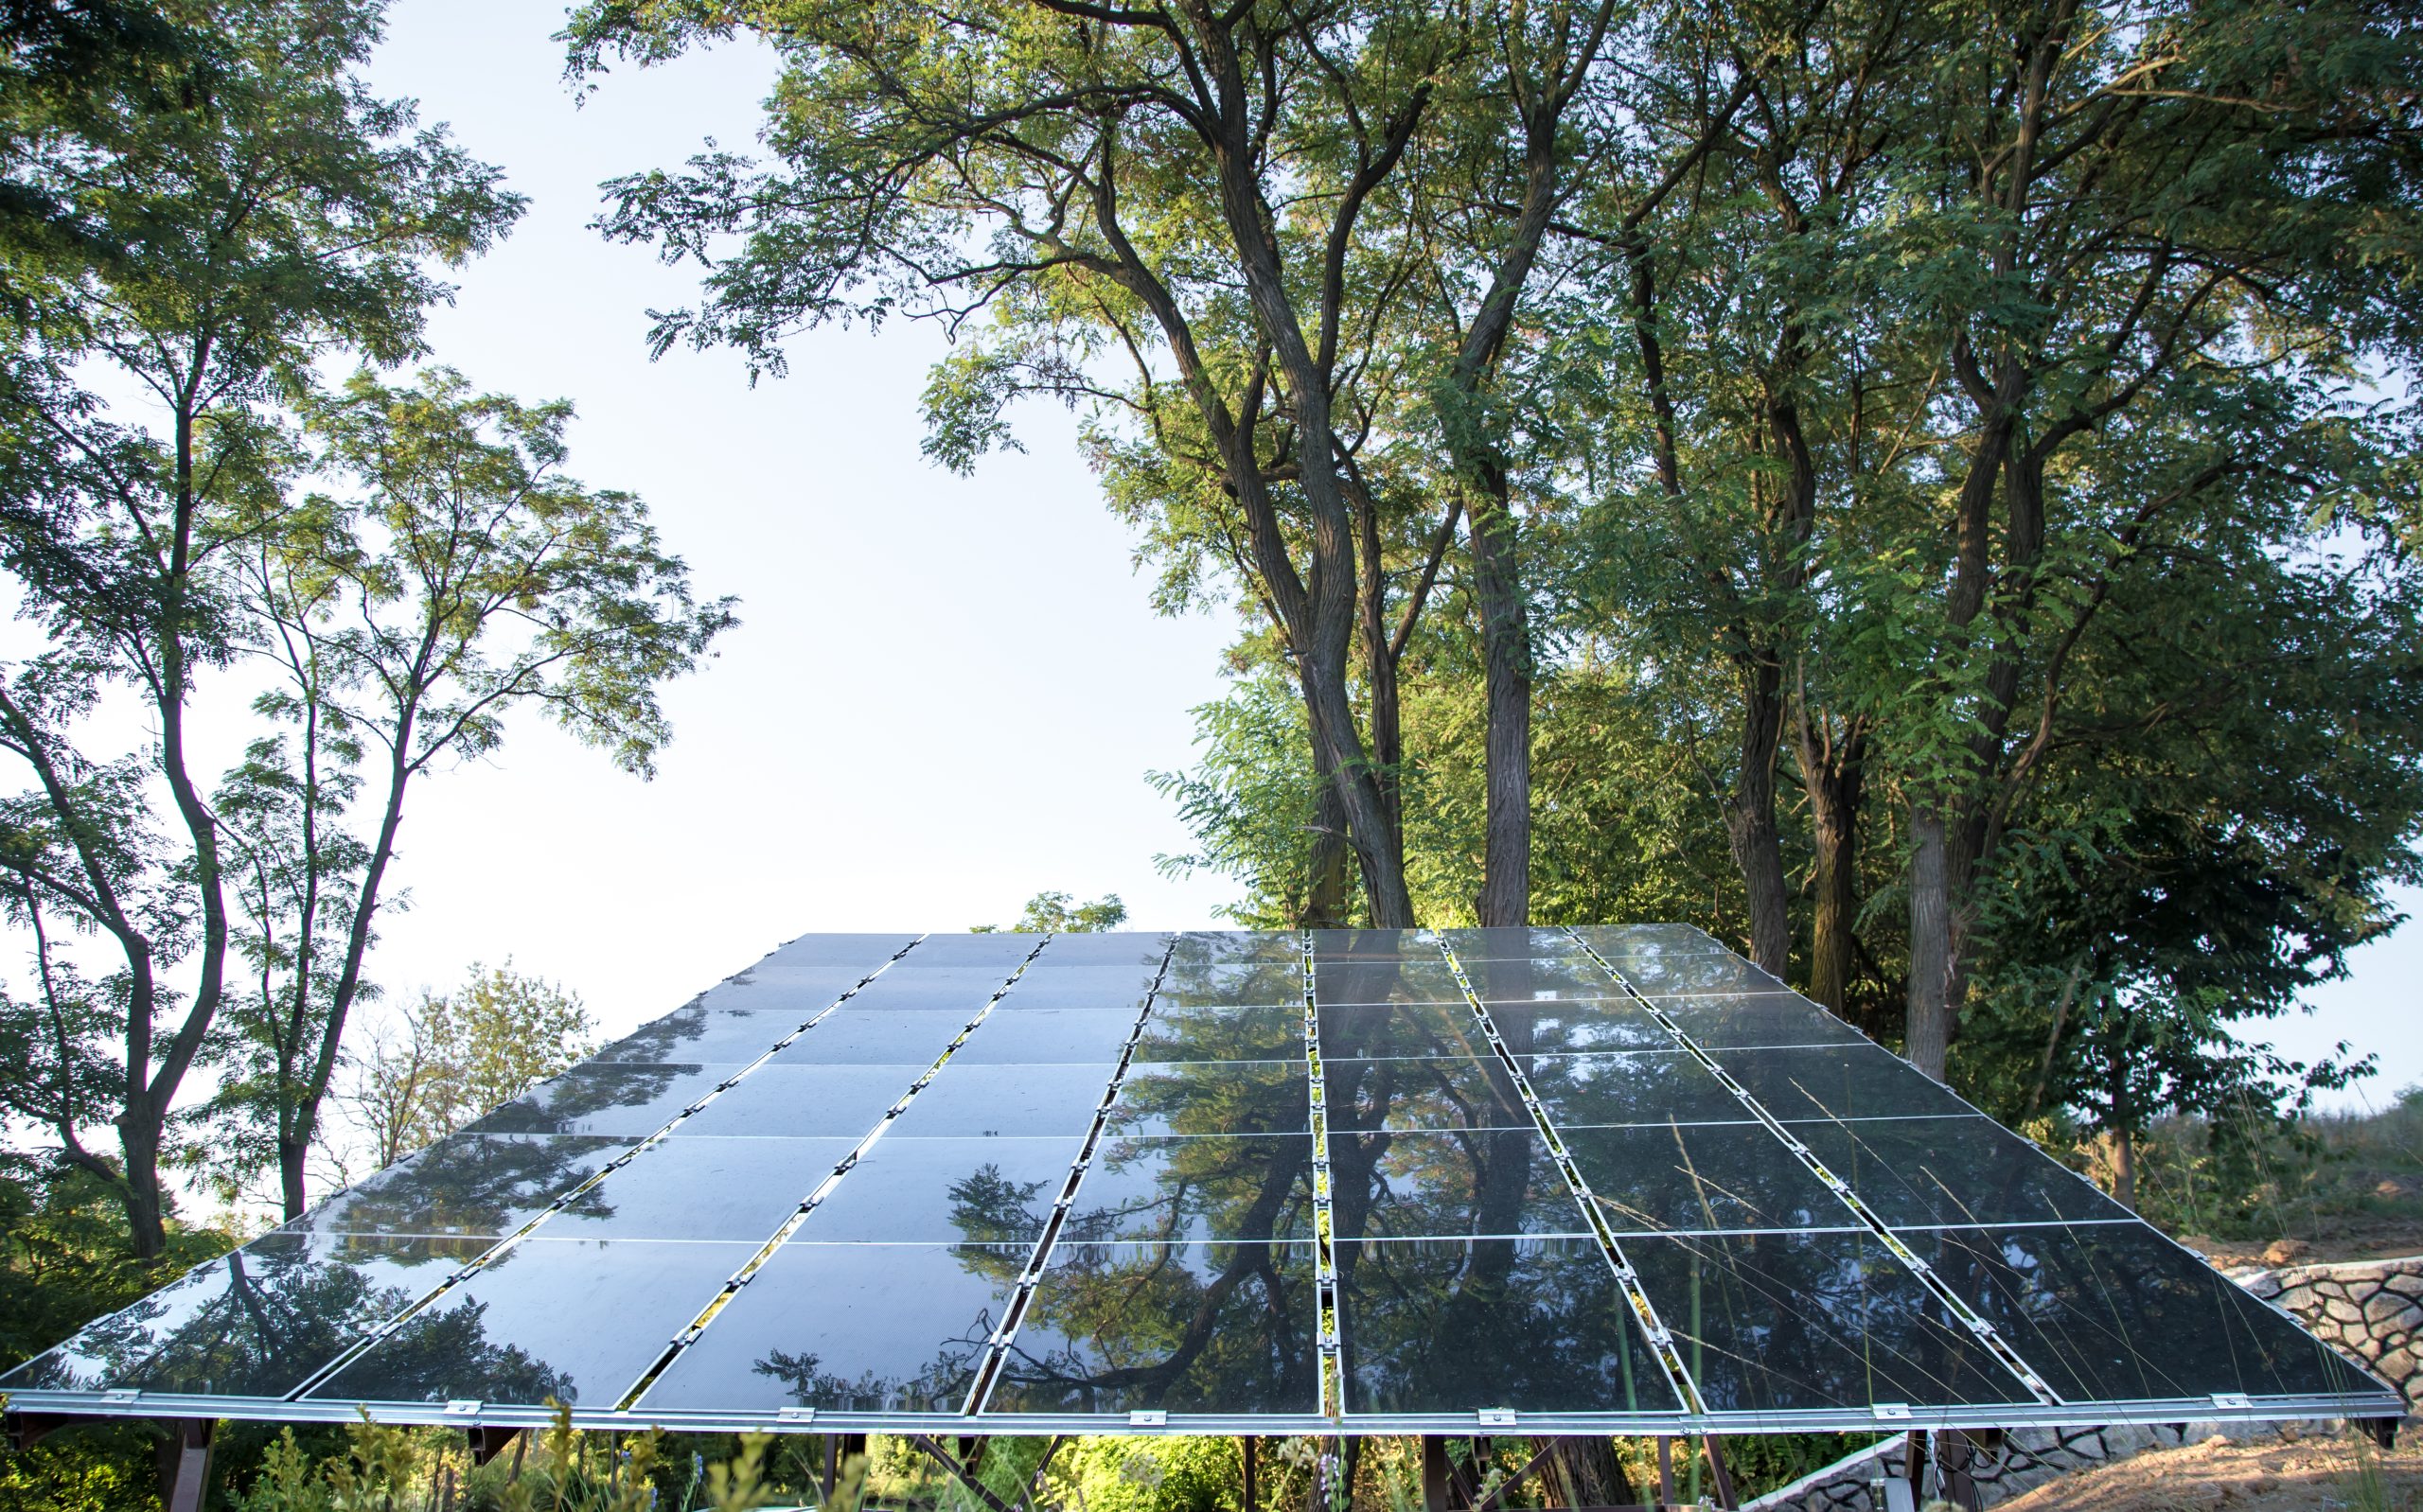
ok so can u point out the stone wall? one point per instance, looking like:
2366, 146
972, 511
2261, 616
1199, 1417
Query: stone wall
2370, 1309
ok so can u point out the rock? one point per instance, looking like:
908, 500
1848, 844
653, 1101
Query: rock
2405, 1283
2343, 1310
2388, 1188
2389, 1307
2297, 1299
2395, 1367
2284, 1250
2265, 1284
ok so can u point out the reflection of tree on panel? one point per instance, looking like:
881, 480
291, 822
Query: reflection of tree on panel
989, 1208
256, 1323
941, 1386
469, 1183
1179, 1327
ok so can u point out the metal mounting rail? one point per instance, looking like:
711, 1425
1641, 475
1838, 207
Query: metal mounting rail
1970, 1320
1661, 1340
513, 1241
1332, 1361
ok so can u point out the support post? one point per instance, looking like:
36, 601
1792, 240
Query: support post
1246, 1447
1716, 1472
1437, 1488
2381, 1430
1665, 1470
185, 1463
832, 1469
488, 1442
1952, 1453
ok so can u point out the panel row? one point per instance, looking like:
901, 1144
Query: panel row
1767, 1324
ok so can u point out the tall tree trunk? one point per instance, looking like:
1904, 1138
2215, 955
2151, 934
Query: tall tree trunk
1930, 1004
1750, 816
1505, 641
145, 1206
1833, 781
1325, 893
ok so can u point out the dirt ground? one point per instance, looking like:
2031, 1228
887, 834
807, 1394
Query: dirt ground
2308, 1473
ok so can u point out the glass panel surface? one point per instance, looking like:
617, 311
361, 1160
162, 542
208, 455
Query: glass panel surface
507, 1335
983, 1100
1651, 940
1214, 1098
704, 1188
1252, 1186
1000, 952
1578, 1027
1648, 1179
1137, 948
254, 1322
1444, 1092
1216, 986
1917, 1172
697, 1035
1049, 1034
804, 1102
2116, 1312
1456, 1326
1862, 1081
1778, 1322
1233, 947
1427, 979
1646, 1086
1736, 1021
943, 1192
612, 1102
1663, 976
1541, 981
1046, 986
1540, 941
1472, 1183
1274, 1033
962, 991
1375, 1031
1372, 944
866, 951
848, 1327
1168, 1328
851, 1035
481, 1186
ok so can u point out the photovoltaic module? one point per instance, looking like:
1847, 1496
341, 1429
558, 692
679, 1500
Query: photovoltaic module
1593, 1180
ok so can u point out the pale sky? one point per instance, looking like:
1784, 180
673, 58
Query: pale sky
944, 693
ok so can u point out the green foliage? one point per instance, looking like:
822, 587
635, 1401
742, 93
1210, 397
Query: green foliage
465, 1052
1189, 1474
1060, 913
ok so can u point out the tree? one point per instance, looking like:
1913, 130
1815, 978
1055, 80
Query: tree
275, 213
1057, 913
1178, 188
463, 1053
470, 576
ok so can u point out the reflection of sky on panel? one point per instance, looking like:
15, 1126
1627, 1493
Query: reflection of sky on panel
508, 1334
853, 1328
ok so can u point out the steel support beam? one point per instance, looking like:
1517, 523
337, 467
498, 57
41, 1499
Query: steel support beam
1437, 1478
487, 1443
1245, 1450
185, 1463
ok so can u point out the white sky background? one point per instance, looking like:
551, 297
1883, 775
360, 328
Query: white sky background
944, 691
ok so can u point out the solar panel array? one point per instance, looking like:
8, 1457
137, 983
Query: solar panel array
1601, 1179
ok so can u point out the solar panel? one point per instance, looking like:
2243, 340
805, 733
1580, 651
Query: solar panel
1604, 1180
